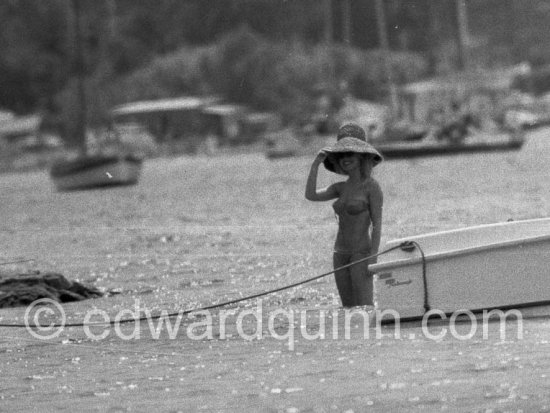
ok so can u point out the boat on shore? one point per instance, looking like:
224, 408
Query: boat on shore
95, 171
486, 267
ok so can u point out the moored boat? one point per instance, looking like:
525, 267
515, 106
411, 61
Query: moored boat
93, 171
433, 148
90, 170
495, 266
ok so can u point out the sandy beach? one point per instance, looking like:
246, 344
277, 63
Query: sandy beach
202, 230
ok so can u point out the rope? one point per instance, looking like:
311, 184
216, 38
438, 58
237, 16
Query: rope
410, 246
14, 262
210, 307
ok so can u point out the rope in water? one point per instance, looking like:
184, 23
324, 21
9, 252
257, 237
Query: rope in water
405, 246
14, 262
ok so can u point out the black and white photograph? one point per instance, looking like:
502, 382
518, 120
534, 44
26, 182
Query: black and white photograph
284, 206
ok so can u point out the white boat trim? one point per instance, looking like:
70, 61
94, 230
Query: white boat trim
442, 255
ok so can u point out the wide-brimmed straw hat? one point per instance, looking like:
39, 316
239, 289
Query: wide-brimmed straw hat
347, 144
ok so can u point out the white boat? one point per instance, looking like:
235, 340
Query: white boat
496, 266
96, 171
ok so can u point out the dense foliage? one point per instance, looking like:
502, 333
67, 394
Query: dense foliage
270, 54
247, 68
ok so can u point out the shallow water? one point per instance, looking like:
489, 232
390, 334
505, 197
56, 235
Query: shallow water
196, 231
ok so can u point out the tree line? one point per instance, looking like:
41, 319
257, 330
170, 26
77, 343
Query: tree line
266, 53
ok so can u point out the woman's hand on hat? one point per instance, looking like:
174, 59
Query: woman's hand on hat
321, 156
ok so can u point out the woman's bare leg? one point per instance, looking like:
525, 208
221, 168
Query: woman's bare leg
343, 280
361, 281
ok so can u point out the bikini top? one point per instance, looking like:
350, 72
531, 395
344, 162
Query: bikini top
351, 206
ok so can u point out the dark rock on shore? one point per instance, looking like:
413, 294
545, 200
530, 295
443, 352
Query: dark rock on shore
22, 289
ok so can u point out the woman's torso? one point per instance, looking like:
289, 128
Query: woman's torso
353, 213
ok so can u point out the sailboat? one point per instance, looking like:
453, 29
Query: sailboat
95, 171
88, 170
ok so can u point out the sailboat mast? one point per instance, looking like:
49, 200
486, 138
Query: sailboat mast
384, 44
462, 32
346, 22
81, 110
329, 37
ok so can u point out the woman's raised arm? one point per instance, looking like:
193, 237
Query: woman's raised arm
314, 194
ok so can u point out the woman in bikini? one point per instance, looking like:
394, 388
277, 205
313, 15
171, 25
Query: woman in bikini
358, 208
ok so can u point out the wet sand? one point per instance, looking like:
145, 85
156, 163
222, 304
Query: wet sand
197, 231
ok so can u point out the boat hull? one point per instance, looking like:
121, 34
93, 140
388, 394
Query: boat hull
498, 266
412, 149
99, 172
